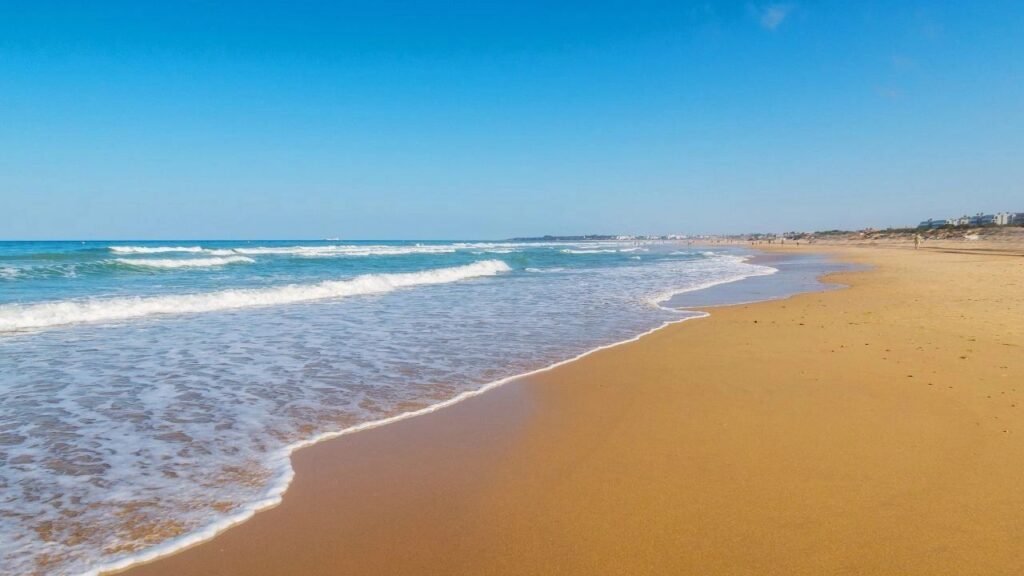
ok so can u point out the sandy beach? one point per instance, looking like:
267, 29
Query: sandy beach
877, 429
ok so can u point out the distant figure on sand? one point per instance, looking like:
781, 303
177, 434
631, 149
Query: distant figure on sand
917, 241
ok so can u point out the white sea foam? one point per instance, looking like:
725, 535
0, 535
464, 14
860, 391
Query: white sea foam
749, 271
381, 249
14, 317
185, 262
9, 273
346, 250
154, 249
602, 250
339, 250
298, 250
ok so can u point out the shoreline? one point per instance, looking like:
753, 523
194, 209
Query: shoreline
279, 486
505, 419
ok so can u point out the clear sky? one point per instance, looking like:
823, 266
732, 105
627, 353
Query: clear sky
489, 120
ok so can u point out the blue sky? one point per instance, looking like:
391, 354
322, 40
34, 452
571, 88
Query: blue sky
480, 120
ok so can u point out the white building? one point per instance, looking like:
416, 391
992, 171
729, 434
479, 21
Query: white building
979, 219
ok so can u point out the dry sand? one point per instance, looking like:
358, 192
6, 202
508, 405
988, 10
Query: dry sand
873, 430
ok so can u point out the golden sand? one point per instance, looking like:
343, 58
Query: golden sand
873, 430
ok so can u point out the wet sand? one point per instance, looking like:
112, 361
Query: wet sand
877, 429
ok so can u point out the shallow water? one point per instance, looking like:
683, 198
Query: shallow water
151, 390
796, 273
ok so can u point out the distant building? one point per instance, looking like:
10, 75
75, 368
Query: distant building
929, 223
1004, 219
978, 220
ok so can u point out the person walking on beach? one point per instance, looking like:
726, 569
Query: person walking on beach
917, 241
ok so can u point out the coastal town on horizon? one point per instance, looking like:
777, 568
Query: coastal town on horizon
967, 225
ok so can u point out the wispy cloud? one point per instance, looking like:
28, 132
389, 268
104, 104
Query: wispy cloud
771, 16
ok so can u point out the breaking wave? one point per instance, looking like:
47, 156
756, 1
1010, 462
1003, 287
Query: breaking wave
154, 249
15, 317
184, 262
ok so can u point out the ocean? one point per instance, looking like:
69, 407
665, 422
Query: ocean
153, 391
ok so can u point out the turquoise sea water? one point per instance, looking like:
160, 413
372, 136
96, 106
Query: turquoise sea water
152, 391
